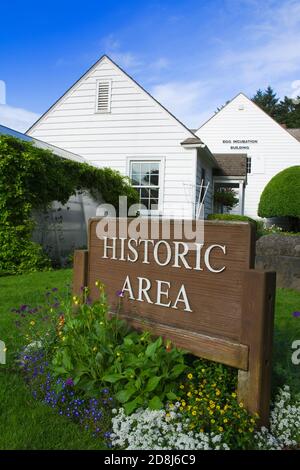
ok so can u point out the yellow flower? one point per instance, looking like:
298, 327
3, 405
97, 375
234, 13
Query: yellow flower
190, 376
63, 338
32, 323
233, 395
118, 354
222, 412
218, 407
194, 413
241, 405
240, 430
4, 349
183, 403
221, 429
59, 333
225, 420
252, 420
218, 392
214, 385
251, 429
201, 430
202, 370
212, 421
189, 394
211, 412
198, 399
181, 386
181, 408
94, 348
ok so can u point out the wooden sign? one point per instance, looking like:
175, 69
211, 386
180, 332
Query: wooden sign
203, 296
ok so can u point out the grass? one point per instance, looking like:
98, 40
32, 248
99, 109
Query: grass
25, 423
28, 424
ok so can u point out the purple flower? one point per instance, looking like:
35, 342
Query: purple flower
23, 307
69, 382
296, 314
54, 289
120, 293
105, 390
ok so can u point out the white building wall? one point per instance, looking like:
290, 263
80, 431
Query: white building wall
137, 126
273, 148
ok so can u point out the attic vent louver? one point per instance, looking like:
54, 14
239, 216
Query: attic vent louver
103, 96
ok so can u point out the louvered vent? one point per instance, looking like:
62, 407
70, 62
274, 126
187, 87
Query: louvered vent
103, 96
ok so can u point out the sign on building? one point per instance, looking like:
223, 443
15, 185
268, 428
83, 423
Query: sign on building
204, 296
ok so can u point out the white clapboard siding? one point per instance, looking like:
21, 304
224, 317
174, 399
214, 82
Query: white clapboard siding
136, 127
275, 149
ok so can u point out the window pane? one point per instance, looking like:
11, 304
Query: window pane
154, 168
145, 174
154, 193
136, 173
145, 202
154, 179
153, 204
145, 193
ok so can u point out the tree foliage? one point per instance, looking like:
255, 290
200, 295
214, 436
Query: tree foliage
285, 111
281, 196
32, 178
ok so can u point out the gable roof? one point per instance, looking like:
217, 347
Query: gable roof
127, 75
258, 107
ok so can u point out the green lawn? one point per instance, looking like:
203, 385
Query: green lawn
28, 424
24, 422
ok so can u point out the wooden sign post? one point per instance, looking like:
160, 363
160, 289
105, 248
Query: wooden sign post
204, 297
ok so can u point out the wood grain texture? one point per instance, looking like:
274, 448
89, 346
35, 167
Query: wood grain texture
80, 273
215, 298
254, 386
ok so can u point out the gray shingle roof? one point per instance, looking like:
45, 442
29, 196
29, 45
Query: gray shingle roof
231, 164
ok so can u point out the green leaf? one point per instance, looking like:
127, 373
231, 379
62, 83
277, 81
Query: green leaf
112, 378
155, 403
151, 348
152, 384
131, 406
171, 396
128, 341
177, 370
124, 395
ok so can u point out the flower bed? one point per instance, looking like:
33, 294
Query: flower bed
134, 391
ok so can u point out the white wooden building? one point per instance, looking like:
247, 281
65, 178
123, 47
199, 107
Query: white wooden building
110, 120
241, 127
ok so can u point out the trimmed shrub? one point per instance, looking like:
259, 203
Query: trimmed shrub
281, 196
233, 217
32, 178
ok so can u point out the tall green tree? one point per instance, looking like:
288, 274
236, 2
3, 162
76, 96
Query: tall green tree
267, 100
285, 111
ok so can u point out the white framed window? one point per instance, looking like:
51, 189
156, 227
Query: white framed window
146, 178
103, 96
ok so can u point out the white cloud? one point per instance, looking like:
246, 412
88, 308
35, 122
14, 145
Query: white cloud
271, 49
295, 85
17, 118
186, 100
126, 59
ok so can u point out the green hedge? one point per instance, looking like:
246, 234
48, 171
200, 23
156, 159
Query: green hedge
32, 178
281, 196
241, 218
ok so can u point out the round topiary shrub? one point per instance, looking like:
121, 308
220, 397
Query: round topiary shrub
281, 196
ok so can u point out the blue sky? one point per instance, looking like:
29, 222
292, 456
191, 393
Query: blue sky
191, 55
